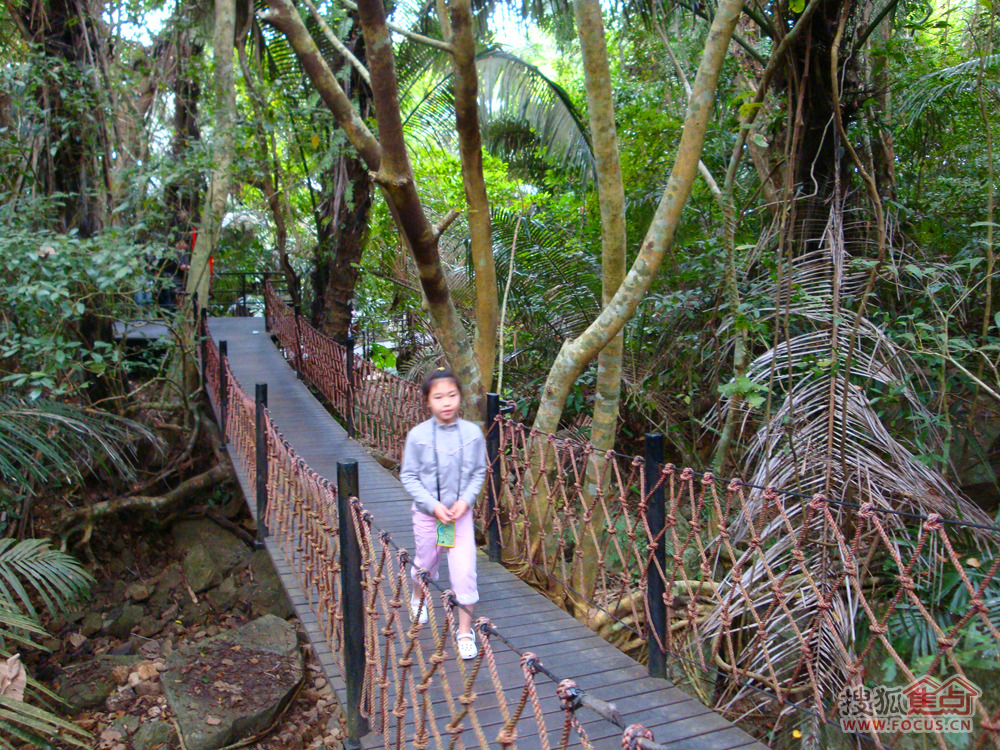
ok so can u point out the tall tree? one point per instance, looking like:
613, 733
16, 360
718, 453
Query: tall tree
387, 157
576, 354
223, 45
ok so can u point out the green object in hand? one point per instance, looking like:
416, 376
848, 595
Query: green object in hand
446, 534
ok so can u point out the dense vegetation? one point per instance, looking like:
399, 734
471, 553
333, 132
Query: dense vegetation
821, 315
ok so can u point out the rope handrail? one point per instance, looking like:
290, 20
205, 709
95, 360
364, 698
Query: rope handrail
798, 599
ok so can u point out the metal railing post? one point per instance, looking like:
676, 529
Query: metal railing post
267, 306
655, 516
203, 344
352, 603
298, 342
349, 364
260, 404
493, 488
223, 388
243, 293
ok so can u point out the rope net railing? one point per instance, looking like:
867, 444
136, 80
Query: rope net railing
779, 608
796, 613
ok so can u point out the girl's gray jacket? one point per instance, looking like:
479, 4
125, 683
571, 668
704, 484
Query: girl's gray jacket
449, 456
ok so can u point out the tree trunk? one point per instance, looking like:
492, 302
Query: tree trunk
70, 164
223, 145
576, 354
342, 217
271, 184
342, 230
183, 194
463, 65
611, 197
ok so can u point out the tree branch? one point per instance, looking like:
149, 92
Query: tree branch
578, 353
470, 146
337, 44
449, 218
713, 186
411, 35
283, 16
155, 503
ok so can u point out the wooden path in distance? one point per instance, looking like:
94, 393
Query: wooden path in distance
525, 618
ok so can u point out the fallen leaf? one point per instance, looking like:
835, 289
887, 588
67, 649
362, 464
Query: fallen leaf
213, 721
13, 678
77, 639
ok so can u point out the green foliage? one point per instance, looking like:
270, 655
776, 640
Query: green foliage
31, 571
54, 288
45, 441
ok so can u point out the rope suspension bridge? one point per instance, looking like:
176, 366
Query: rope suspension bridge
770, 605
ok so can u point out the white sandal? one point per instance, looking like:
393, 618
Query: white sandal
467, 648
418, 614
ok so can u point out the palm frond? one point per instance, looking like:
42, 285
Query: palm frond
44, 440
32, 566
16, 627
948, 83
37, 727
521, 111
822, 434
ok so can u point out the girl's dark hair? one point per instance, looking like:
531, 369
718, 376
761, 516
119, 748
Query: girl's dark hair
441, 373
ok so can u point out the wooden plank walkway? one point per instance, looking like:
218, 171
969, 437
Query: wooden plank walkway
526, 618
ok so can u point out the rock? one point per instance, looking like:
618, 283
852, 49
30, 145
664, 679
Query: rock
120, 700
125, 724
124, 649
129, 618
92, 624
139, 592
200, 569
266, 595
228, 551
194, 614
149, 626
148, 688
229, 687
87, 685
223, 598
144, 670
155, 734
120, 674
171, 579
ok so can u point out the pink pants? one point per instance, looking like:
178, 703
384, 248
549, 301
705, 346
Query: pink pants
461, 557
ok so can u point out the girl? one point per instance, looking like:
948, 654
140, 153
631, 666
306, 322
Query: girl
443, 469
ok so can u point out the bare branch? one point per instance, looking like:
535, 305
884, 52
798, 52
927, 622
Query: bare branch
144, 503
337, 44
411, 35
449, 218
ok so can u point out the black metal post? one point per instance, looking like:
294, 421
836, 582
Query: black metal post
223, 388
203, 344
493, 489
267, 306
243, 293
260, 403
298, 342
349, 344
352, 602
655, 516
